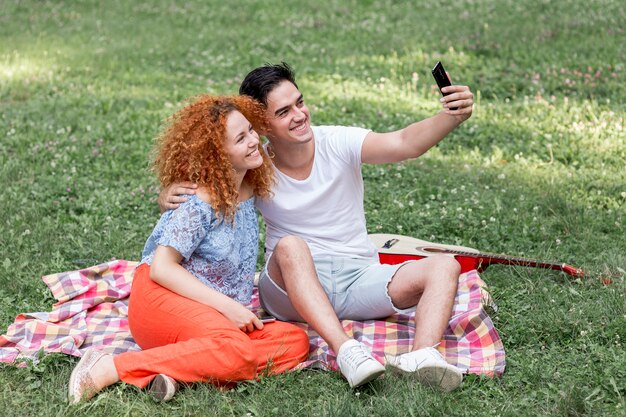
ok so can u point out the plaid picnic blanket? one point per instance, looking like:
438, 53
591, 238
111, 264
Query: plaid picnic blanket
92, 311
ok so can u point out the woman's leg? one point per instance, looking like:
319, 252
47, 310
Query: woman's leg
182, 338
279, 347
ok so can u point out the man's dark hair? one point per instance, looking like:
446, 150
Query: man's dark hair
262, 80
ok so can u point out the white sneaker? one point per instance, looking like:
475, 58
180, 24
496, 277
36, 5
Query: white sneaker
357, 364
429, 367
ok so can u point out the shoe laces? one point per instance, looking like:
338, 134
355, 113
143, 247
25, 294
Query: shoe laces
356, 355
410, 361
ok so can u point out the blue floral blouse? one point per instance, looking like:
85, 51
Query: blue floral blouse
220, 254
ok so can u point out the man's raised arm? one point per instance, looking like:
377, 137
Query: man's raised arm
415, 139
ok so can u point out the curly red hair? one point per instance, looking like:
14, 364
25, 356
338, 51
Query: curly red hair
191, 148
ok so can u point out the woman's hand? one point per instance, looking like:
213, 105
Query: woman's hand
170, 197
243, 318
166, 271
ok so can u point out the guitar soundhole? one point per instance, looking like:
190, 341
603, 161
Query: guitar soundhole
434, 250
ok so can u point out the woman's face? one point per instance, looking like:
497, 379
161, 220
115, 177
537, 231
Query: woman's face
242, 143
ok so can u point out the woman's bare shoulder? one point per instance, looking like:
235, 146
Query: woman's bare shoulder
203, 194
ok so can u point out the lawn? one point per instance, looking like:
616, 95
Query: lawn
538, 171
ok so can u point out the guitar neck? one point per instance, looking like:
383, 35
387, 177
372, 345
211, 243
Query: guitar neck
398, 248
486, 259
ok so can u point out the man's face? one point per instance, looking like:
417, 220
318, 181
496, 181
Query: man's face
288, 117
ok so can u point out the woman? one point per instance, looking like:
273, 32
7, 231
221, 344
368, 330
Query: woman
186, 309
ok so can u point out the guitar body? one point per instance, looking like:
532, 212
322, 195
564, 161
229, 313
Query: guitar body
394, 249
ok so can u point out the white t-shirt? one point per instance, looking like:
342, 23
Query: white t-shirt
326, 209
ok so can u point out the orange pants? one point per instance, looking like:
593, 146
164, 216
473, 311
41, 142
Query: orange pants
192, 342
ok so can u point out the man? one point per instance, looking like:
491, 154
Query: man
321, 266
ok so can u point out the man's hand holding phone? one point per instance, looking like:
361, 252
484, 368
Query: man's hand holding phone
457, 100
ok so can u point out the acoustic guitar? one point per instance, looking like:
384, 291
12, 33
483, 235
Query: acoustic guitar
393, 249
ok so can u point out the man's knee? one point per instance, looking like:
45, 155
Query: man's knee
437, 270
288, 257
445, 271
448, 266
289, 247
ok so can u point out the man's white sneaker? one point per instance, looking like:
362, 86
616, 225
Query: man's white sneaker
357, 364
429, 367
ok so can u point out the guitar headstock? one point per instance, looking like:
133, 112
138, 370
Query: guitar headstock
573, 271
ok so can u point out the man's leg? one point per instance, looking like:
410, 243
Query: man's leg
291, 267
432, 285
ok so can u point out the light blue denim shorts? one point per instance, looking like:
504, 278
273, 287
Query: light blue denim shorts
356, 288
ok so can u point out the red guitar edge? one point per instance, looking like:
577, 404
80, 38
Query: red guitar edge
469, 260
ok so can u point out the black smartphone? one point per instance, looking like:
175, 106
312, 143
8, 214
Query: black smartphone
442, 79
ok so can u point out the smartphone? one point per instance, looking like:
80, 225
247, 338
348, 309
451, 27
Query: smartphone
264, 317
442, 79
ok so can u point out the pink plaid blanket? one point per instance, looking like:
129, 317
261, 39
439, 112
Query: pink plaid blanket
91, 311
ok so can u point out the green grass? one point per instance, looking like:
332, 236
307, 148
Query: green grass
538, 171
